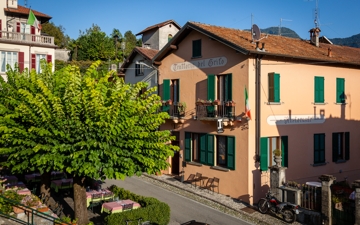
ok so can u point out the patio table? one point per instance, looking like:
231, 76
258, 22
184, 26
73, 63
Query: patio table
24, 191
57, 184
12, 185
34, 177
102, 192
117, 206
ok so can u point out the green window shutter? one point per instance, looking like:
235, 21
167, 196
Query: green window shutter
178, 89
334, 146
319, 148
319, 90
230, 151
196, 50
347, 145
210, 149
211, 87
340, 90
166, 94
284, 151
264, 154
187, 146
271, 87
276, 87
228, 87
202, 148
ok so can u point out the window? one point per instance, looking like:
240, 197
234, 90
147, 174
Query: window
341, 146
171, 91
319, 90
175, 91
202, 148
340, 90
267, 146
139, 68
274, 87
224, 88
169, 37
319, 148
8, 58
36, 60
196, 48
219, 87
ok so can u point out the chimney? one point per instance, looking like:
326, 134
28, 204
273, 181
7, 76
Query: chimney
257, 46
329, 52
314, 36
263, 46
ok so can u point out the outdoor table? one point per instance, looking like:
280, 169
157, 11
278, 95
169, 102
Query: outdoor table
56, 184
117, 206
102, 192
202, 181
55, 175
24, 191
12, 185
8, 180
34, 177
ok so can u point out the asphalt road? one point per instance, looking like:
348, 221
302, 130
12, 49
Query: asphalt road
182, 209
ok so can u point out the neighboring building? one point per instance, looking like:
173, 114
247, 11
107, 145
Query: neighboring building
21, 43
303, 97
138, 66
158, 35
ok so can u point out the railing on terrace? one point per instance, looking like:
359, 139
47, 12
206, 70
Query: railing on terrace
211, 110
172, 109
26, 38
30, 216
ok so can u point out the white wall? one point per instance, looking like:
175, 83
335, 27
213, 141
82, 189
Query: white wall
164, 34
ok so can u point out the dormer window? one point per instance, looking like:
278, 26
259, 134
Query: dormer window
196, 48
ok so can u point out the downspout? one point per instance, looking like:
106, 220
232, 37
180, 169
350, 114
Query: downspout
257, 105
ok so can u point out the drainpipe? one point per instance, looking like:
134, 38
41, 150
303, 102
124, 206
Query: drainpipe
257, 105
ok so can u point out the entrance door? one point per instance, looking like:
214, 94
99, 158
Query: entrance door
175, 161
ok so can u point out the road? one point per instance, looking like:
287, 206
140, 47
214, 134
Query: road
182, 209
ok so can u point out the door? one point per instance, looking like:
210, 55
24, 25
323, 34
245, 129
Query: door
175, 160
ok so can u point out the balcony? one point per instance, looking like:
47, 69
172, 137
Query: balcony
213, 112
21, 38
173, 110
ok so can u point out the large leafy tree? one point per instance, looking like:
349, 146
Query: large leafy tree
82, 124
58, 32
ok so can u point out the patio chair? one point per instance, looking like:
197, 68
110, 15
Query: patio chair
108, 197
65, 187
198, 178
209, 182
215, 184
96, 199
190, 179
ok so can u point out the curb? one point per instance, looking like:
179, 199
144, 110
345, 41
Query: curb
254, 219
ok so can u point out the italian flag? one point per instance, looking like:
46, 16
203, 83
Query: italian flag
33, 21
247, 105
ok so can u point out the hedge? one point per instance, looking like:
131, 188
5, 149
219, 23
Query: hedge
153, 210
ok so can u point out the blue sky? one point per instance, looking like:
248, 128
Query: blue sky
338, 18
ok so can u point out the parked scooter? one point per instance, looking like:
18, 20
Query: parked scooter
286, 209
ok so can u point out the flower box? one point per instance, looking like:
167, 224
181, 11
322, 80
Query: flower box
43, 209
230, 103
18, 210
216, 102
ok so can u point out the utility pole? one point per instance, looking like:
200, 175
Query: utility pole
281, 19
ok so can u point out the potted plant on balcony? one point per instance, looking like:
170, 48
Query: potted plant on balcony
200, 101
230, 103
216, 102
169, 102
277, 157
181, 107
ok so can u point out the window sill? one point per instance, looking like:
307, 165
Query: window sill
336, 103
274, 103
141, 74
341, 161
194, 164
318, 164
196, 57
220, 168
319, 103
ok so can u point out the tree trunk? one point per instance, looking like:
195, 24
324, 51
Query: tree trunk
80, 201
45, 183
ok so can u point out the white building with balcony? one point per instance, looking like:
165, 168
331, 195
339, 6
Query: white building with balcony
21, 43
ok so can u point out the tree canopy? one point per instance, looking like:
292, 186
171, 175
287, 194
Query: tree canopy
58, 32
82, 124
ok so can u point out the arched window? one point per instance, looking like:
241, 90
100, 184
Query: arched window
169, 37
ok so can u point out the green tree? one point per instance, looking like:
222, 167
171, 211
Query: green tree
82, 124
131, 41
118, 38
58, 32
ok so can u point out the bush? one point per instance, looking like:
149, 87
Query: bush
152, 210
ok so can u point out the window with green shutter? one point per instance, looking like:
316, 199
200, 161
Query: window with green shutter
267, 146
210, 149
166, 95
319, 90
187, 146
340, 90
196, 48
284, 151
341, 146
319, 148
230, 152
211, 81
264, 154
274, 87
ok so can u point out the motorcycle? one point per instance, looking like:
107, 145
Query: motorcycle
286, 209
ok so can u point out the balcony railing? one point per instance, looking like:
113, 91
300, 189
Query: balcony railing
26, 38
173, 110
208, 111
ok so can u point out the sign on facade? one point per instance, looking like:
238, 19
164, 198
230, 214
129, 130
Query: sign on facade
295, 119
199, 64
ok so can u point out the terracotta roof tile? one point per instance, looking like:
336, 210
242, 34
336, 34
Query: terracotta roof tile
147, 52
159, 25
24, 10
282, 46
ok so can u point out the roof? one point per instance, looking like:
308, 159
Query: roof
145, 52
275, 45
23, 10
159, 25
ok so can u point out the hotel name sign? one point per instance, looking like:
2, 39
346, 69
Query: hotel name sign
295, 119
199, 64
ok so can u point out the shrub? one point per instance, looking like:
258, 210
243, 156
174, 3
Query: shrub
152, 210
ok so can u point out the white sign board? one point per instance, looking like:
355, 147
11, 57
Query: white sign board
295, 119
199, 64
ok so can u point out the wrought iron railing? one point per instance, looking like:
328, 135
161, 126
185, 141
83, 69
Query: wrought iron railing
31, 216
220, 110
173, 109
26, 38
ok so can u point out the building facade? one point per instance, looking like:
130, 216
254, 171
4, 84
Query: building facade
21, 43
302, 97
